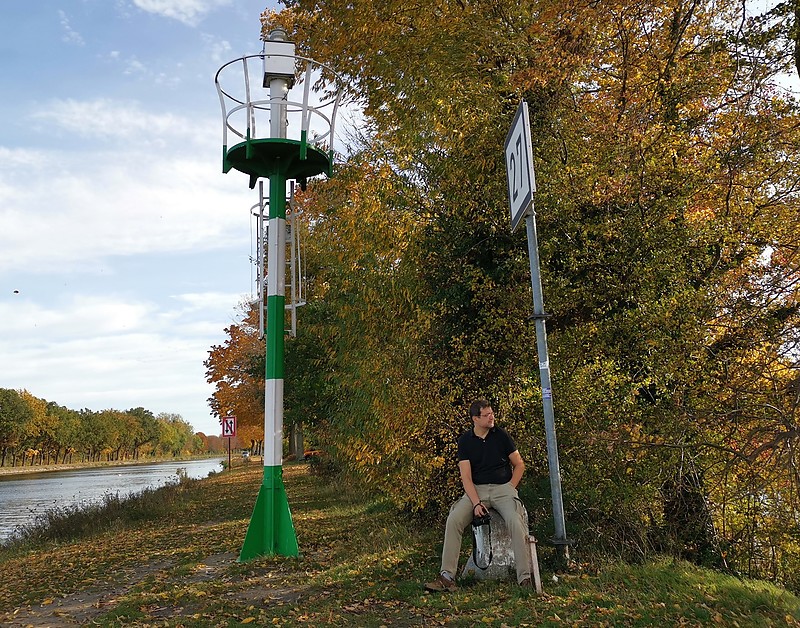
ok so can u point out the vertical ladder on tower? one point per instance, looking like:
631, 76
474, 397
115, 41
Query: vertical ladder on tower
295, 286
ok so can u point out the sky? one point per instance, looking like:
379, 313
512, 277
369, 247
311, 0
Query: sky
125, 252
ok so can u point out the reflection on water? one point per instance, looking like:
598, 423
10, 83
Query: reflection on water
24, 496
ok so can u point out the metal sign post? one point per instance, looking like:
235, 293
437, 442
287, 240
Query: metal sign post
521, 187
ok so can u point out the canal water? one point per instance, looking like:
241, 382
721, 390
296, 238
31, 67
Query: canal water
23, 497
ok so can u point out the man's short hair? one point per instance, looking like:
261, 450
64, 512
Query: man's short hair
477, 406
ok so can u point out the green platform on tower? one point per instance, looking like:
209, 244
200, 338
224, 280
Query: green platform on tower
293, 159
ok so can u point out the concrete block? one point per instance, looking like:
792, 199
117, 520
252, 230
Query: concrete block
502, 565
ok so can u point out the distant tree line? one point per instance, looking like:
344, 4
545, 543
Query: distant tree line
34, 431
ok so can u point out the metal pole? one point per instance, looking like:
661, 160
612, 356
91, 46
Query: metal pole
292, 263
271, 530
560, 538
262, 262
276, 300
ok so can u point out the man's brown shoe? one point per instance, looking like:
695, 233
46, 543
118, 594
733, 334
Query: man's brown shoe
526, 583
441, 584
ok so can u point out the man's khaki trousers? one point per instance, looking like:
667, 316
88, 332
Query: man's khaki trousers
504, 499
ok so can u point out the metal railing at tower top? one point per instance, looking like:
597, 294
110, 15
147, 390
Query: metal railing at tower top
252, 111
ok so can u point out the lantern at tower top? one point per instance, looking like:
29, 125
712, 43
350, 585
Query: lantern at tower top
272, 123
278, 58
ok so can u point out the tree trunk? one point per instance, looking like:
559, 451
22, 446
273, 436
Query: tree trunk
687, 518
296, 441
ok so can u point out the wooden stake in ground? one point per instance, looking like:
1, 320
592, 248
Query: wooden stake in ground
537, 578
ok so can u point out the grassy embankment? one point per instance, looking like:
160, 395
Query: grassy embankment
169, 559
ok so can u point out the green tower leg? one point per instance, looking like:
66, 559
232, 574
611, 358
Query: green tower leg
271, 531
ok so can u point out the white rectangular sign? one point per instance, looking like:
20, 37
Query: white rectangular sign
519, 166
228, 426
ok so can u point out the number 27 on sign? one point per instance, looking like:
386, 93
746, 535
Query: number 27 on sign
519, 165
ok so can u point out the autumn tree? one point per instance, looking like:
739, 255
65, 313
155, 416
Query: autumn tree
35, 431
67, 432
666, 153
145, 429
176, 436
14, 415
236, 368
354, 371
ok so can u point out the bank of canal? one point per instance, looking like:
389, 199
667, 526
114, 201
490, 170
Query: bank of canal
25, 496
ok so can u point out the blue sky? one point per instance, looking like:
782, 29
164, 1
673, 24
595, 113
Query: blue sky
124, 250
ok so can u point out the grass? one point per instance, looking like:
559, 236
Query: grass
175, 564
75, 521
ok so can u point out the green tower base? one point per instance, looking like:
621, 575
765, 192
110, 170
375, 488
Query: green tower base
271, 531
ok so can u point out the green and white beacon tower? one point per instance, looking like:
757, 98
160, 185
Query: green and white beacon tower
271, 129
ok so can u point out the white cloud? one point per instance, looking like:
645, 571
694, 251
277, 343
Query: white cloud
102, 352
134, 66
19, 157
157, 371
189, 12
205, 300
119, 208
159, 187
70, 36
167, 80
106, 118
219, 50
84, 316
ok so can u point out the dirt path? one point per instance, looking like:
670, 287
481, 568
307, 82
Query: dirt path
85, 606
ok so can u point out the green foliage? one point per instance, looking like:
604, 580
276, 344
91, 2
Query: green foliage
14, 414
175, 434
34, 431
666, 153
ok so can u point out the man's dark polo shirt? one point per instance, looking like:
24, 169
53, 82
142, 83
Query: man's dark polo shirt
488, 457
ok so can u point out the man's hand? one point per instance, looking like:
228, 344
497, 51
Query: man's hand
480, 510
